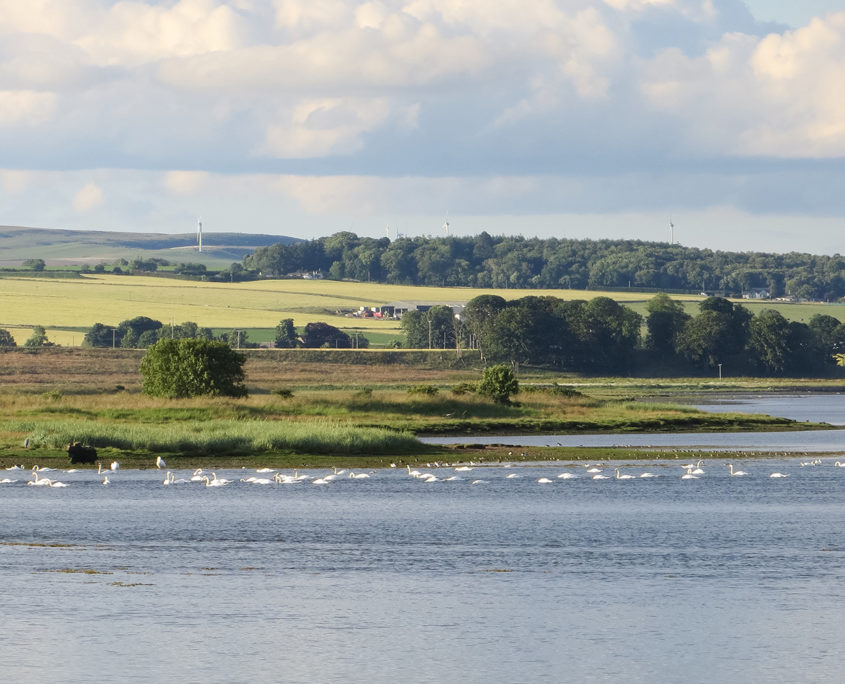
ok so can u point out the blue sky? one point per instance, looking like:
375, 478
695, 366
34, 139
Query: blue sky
570, 118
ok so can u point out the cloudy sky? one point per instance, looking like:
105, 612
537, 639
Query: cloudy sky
570, 118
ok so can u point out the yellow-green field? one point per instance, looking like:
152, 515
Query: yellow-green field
59, 304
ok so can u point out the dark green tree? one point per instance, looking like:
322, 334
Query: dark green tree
129, 331
6, 339
665, 320
769, 342
321, 334
192, 367
100, 335
34, 264
499, 383
286, 337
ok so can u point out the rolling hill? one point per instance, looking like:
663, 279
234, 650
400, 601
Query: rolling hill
64, 247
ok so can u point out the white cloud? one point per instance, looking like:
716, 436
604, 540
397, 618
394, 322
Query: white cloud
317, 128
185, 182
26, 107
16, 181
88, 198
769, 97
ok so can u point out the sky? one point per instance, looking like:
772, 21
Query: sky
552, 118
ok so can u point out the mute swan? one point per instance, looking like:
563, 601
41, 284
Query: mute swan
43, 482
778, 475
564, 476
160, 463
544, 480
462, 469
114, 466
837, 465
648, 475
623, 477
600, 477
736, 473
105, 480
358, 476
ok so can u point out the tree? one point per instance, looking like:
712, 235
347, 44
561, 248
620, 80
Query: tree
38, 338
666, 319
285, 335
192, 367
768, 342
324, 335
499, 383
100, 335
34, 264
6, 339
129, 332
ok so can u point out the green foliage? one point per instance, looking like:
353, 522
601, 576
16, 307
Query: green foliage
665, 321
100, 335
192, 367
286, 337
427, 390
507, 261
499, 383
34, 264
324, 335
283, 392
38, 338
6, 339
465, 388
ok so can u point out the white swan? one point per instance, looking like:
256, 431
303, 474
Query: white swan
594, 470
197, 476
168, 478
6, 480
358, 476
320, 481
836, 465
648, 475
43, 482
623, 477
778, 475
160, 463
58, 484
736, 473
114, 466
463, 469
100, 470
214, 481
697, 469
544, 480
565, 476
600, 477
105, 480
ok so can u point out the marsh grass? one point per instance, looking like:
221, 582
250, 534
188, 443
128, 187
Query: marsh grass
221, 437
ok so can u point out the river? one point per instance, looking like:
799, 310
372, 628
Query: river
489, 577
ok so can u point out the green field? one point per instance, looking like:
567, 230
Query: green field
67, 307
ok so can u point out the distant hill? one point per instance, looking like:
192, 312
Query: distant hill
61, 247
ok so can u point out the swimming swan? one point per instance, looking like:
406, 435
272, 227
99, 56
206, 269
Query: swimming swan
736, 473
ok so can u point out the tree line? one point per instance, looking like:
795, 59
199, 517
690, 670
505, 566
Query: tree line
601, 336
515, 262
142, 332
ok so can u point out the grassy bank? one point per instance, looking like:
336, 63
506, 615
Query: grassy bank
324, 407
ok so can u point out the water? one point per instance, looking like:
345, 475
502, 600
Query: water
391, 579
824, 408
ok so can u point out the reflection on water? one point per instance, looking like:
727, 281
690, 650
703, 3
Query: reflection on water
491, 576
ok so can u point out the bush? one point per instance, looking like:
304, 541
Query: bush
427, 390
498, 382
465, 388
283, 392
192, 367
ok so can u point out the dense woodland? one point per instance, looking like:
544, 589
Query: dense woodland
601, 336
516, 262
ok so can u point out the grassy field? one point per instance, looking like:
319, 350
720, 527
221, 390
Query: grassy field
67, 307
318, 407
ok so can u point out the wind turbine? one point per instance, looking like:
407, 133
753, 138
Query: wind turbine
671, 232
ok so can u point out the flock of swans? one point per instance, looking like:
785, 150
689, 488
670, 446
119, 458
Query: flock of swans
444, 473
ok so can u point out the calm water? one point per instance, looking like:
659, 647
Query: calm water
392, 579
824, 408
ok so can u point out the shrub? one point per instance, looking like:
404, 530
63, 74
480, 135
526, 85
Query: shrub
465, 388
498, 382
283, 392
427, 390
192, 367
